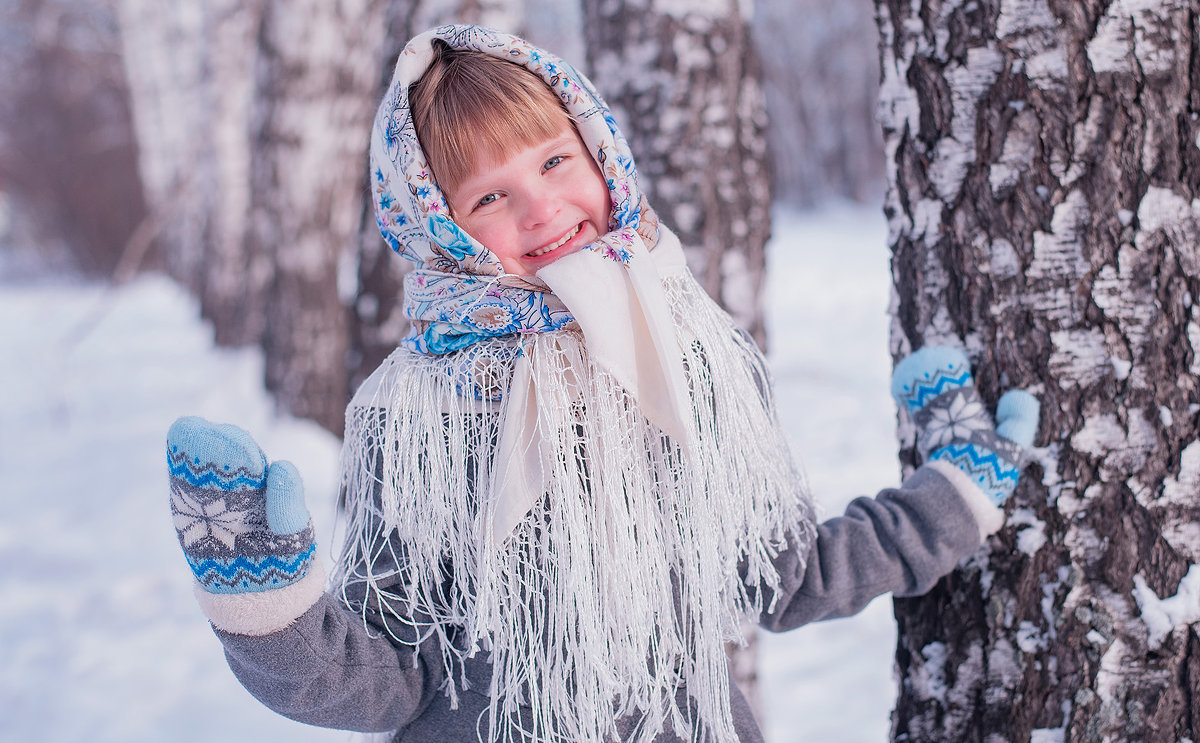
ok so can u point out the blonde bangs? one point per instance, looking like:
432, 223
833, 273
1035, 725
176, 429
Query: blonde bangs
471, 110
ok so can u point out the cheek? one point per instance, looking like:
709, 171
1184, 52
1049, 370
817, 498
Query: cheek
495, 237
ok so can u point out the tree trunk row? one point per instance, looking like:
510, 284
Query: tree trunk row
251, 119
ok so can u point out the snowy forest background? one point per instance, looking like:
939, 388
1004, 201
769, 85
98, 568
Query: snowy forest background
184, 229
99, 637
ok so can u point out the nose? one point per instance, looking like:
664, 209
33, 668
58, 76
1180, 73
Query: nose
542, 204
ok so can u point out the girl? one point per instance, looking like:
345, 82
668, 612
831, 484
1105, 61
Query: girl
568, 487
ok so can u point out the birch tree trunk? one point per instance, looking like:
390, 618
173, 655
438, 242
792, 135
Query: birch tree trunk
190, 67
1044, 213
683, 80
318, 74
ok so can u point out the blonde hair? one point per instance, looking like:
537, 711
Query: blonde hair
470, 107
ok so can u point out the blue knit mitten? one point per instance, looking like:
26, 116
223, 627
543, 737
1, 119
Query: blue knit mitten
243, 525
936, 388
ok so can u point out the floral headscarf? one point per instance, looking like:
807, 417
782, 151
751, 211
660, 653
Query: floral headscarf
459, 294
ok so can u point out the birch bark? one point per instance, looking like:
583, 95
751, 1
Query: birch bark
318, 70
252, 121
1044, 210
190, 67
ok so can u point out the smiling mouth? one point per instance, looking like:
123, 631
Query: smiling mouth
556, 244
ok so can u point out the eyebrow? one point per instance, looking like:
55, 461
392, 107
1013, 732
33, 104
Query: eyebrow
568, 136
564, 138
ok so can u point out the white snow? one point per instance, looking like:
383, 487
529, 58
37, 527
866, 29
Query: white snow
1031, 537
827, 297
933, 671
100, 637
1030, 638
1047, 735
1163, 615
1099, 434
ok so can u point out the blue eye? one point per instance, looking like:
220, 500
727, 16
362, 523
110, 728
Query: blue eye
553, 162
488, 199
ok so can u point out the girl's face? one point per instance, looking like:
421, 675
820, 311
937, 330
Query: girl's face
542, 203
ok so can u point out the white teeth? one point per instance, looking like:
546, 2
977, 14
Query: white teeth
558, 244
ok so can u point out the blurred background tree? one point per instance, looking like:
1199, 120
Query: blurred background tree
70, 192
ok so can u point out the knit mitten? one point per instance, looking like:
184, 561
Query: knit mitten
936, 388
242, 524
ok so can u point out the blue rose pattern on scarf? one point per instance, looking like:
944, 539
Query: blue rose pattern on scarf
459, 295
450, 236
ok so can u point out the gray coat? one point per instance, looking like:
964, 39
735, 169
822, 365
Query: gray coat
327, 669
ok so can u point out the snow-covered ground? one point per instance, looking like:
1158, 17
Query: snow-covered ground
100, 637
827, 300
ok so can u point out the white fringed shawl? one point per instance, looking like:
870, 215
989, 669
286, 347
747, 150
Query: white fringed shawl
626, 578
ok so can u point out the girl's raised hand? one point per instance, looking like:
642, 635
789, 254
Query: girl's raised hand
935, 386
242, 524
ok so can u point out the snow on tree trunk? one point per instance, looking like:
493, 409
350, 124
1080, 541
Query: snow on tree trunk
318, 74
1044, 213
683, 80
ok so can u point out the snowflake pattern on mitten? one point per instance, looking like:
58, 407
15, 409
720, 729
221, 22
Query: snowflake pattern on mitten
935, 386
242, 525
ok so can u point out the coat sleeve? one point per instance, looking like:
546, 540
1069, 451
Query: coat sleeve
351, 660
333, 668
901, 541
339, 668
